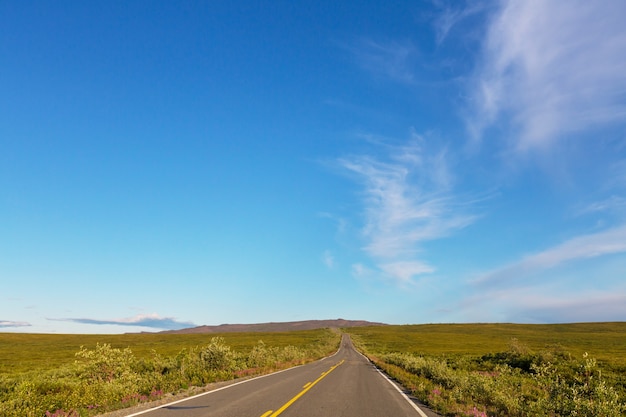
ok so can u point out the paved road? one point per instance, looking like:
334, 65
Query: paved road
343, 385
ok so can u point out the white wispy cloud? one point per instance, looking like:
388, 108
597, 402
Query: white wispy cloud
551, 69
407, 200
404, 271
607, 242
618, 172
328, 259
9, 323
451, 14
140, 320
390, 59
361, 271
609, 204
547, 304
590, 306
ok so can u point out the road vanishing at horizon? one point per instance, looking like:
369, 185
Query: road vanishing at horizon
345, 384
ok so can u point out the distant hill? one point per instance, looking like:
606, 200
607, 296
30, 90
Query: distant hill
276, 327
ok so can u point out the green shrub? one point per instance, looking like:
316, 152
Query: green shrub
583, 394
107, 378
217, 356
504, 388
105, 364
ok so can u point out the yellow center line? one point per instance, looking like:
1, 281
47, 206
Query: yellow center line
300, 394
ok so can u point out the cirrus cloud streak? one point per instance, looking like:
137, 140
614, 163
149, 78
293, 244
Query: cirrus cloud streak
611, 241
407, 201
550, 70
141, 320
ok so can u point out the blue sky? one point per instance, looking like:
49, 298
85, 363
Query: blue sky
171, 164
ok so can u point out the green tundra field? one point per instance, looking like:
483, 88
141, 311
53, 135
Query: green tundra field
604, 341
87, 375
516, 370
468, 370
20, 352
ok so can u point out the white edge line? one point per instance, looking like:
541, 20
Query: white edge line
223, 388
419, 410
209, 392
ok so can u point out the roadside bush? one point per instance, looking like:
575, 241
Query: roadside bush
291, 354
516, 383
259, 357
107, 378
217, 355
105, 364
204, 364
262, 356
586, 394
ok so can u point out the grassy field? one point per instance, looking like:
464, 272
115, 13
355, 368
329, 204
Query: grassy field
515, 370
604, 341
22, 352
87, 375
468, 370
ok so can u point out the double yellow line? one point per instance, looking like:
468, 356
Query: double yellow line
306, 387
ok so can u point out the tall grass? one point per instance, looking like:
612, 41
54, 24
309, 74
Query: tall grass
103, 377
470, 370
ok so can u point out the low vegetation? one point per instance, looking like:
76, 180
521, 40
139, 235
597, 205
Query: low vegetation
469, 370
506, 370
39, 377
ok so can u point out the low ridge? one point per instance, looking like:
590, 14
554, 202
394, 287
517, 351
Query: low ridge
276, 327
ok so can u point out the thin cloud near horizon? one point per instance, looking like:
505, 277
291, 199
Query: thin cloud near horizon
541, 304
607, 242
9, 323
141, 320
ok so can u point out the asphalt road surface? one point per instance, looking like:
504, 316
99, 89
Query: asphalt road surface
343, 385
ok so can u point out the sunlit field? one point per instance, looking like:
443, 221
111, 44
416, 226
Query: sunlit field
506, 369
84, 375
474, 370
25, 352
